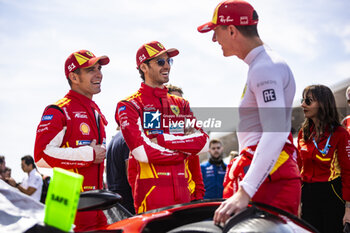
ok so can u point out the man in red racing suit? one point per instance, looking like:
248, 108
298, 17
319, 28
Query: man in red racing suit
284, 168
195, 179
192, 172
71, 133
153, 125
192, 164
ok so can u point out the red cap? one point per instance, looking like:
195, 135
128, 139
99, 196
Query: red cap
151, 50
231, 12
83, 59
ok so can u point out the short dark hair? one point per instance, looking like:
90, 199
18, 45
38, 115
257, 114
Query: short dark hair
214, 141
28, 160
142, 75
77, 71
2, 159
327, 112
248, 31
172, 88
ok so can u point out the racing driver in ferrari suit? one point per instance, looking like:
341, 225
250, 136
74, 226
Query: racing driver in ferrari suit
153, 125
71, 134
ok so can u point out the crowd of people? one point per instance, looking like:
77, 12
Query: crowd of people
153, 162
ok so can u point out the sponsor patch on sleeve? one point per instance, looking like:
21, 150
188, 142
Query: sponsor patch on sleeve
154, 131
83, 142
47, 118
269, 95
122, 108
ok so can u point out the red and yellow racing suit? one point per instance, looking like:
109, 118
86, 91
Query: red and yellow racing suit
153, 114
318, 167
325, 172
195, 178
62, 140
284, 177
193, 173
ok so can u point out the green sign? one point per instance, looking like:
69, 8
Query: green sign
62, 199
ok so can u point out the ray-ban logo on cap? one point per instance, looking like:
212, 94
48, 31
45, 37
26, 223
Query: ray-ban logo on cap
225, 20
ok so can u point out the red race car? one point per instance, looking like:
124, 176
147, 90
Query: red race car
189, 217
21, 213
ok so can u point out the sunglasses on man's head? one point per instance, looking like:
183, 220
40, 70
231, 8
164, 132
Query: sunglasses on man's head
161, 61
308, 101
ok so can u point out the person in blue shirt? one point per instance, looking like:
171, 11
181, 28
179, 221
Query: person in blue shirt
213, 171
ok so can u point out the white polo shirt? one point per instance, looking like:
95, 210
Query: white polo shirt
34, 180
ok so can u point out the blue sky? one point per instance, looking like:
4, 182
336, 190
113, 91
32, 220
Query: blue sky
37, 36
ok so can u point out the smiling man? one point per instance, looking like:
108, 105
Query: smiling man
71, 133
265, 171
150, 122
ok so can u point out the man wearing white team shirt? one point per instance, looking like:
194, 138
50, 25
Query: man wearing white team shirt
265, 116
32, 184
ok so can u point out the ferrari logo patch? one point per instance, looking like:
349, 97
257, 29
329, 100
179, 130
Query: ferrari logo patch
175, 109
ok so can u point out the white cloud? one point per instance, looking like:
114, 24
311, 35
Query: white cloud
343, 31
342, 69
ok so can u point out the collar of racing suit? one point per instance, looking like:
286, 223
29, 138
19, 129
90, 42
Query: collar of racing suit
87, 102
157, 92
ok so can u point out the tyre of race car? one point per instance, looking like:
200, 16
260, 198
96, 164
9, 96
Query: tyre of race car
253, 219
260, 225
198, 227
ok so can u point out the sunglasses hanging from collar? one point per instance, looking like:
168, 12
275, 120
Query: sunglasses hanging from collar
326, 147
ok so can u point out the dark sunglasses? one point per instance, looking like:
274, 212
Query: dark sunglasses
161, 61
307, 101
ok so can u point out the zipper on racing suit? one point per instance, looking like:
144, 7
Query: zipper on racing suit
174, 173
98, 119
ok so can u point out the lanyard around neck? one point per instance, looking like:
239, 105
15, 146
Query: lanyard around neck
326, 147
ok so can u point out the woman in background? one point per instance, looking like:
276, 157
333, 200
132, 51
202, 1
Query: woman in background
324, 162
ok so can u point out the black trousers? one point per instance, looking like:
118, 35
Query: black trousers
128, 201
323, 206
